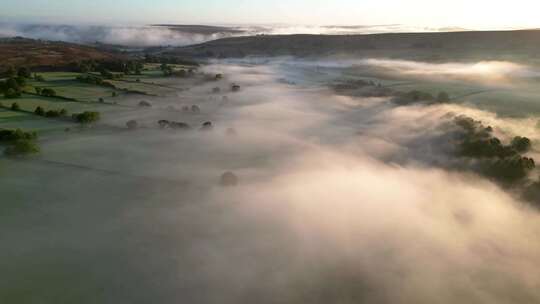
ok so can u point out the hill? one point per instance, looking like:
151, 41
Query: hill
488, 45
47, 54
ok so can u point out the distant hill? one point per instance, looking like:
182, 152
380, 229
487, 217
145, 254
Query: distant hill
487, 45
47, 54
200, 29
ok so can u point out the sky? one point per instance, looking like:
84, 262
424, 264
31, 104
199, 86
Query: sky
478, 14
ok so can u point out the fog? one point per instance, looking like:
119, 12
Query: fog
146, 36
340, 199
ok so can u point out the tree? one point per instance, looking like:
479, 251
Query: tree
38, 78
21, 81
53, 113
12, 93
521, 144
144, 103
12, 83
39, 111
11, 72
228, 179
24, 72
87, 117
48, 92
132, 124
38, 90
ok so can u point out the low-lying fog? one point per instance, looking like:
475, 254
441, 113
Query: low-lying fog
340, 200
144, 36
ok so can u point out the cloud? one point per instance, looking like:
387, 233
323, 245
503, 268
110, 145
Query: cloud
341, 199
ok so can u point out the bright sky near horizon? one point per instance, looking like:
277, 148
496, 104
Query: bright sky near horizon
480, 14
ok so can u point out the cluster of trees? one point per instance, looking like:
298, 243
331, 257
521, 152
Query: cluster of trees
107, 74
417, 96
173, 125
12, 87
128, 67
170, 71
501, 162
47, 92
19, 143
10, 136
91, 79
354, 85
163, 124
86, 117
50, 113
16, 79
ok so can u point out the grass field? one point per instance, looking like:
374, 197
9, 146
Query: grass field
30, 102
29, 122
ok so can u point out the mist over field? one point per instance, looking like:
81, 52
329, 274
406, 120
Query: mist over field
341, 197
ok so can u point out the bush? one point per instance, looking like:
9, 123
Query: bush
15, 107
